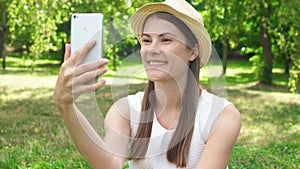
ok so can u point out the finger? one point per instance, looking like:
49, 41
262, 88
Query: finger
87, 67
67, 52
89, 77
88, 88
83, 51
103, 62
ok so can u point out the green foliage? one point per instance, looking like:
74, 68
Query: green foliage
256, 60
118, 39
258, 66
33, 25
37, 27
293, 81
287, 39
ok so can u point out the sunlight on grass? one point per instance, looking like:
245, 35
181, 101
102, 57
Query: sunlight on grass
31, 81
32, 133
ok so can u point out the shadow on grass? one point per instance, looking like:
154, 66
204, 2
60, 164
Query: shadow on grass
39, 71
9, 71
30, 113
267, 117
33, 133
48, 65
33, 130
268, 87
249, 81
36, 101
240, 78
19, 66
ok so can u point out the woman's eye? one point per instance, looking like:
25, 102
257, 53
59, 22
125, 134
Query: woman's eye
146, 40
166, 40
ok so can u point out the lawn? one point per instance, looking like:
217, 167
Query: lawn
32, 134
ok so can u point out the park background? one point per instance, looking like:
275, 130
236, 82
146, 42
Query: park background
257, 41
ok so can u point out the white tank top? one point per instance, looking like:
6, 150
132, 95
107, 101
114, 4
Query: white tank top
209, 108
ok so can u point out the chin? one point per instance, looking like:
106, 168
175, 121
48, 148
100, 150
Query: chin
157, 76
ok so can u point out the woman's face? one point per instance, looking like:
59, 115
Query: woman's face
164, 51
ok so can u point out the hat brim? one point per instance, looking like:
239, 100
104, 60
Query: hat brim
137, 22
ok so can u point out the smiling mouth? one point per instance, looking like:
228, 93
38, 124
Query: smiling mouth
157, 63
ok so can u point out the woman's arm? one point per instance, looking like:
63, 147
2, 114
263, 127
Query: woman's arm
109, 153
91, 146
218, 148
73, 80
117, 129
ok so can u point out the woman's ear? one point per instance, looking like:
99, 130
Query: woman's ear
195, 52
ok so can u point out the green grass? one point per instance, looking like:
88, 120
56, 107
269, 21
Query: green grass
32, 133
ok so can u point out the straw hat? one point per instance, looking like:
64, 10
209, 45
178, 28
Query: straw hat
182, 10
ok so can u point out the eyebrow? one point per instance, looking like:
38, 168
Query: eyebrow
160, 35
167, 33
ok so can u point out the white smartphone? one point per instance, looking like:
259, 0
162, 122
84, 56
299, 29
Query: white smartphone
86, 27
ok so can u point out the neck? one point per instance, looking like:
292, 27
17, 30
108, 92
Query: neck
169, 95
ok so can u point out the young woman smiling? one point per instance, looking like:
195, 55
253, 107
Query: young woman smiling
174, 123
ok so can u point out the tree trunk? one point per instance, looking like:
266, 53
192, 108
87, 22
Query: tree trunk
2, 48
225, 54
225, 44
3, 33
4, 62
287, 61
267, 55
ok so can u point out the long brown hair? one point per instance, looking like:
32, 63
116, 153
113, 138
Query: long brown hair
180, 143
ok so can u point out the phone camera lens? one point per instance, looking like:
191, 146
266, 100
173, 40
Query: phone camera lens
75, 16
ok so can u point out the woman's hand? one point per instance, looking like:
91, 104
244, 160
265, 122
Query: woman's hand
74, 80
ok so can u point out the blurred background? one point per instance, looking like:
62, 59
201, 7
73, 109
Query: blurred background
257, 41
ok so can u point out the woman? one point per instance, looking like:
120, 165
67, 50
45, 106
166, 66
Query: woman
174, 123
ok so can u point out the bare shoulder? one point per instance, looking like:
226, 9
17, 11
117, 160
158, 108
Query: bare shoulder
117, 129
232, 115
119, 108
223, 136
227, 126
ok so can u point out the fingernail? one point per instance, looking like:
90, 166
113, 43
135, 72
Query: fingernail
67, 46
103, 81
92, 42
105, 61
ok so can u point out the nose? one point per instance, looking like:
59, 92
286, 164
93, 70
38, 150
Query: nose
154, 48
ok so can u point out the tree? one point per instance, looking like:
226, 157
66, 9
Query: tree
116, 26
261, 22
265, 40
279, 35
222, 22
33, 25
288, 38
3, 32
38, 27
265, 27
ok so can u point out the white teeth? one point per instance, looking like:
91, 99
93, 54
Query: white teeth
157, 63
